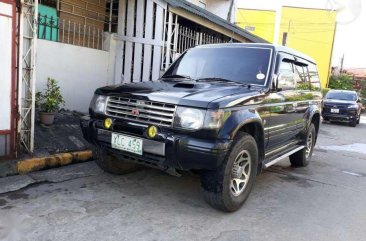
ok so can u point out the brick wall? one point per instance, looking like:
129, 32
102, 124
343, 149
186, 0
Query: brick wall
88, 12
82, 22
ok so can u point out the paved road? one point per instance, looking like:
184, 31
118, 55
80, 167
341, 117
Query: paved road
324, 201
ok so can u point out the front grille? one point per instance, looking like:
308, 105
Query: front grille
343, 110
338, 106
144, 111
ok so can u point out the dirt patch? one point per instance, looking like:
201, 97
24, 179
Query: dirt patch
17, 195
301, 182
3, 202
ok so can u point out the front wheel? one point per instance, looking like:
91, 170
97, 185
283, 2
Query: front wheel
228, 187
353, 123
303, 157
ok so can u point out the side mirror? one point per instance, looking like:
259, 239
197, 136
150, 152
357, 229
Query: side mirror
358, 100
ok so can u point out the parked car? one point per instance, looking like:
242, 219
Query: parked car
225, 111
342, 106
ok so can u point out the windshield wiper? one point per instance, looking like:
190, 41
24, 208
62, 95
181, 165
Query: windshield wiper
222, 79
177, 76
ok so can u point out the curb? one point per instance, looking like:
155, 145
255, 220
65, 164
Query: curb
61, 159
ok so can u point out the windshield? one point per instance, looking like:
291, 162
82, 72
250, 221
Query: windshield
341, 96
239, 64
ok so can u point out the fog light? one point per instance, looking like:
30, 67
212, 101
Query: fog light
152, 131
108, 123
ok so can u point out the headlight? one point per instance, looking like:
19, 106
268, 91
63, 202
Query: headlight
98, 104
354, 106
189, 118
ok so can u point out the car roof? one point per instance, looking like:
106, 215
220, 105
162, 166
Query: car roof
277, 48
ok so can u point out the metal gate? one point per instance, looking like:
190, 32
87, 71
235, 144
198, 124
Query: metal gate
7, 77
179, 38
139, 40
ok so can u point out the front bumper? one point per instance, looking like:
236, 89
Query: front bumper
166, 150
340, 118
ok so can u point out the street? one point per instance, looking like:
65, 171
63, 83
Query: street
324, 201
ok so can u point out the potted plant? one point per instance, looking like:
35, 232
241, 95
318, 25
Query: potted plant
49, 102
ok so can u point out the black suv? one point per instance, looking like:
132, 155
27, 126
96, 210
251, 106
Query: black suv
225, 111
342, 106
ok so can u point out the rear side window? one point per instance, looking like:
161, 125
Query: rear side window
301, 77
286, 78
314, 77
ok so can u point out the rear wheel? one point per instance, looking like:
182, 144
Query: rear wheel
302, 157
228, 187
112, 164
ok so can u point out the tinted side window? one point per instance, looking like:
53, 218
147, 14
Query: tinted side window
286, 76
301, 77
314, 77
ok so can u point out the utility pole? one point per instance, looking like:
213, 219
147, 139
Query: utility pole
230, 11
342, 61
285, 34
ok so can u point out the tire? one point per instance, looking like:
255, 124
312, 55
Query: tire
112, 164
220, 189
303, 157
358, 119
353, 123
325, 119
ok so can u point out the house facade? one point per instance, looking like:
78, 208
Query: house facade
87, 44
139, 40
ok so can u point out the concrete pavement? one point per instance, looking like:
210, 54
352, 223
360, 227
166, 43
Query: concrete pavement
324, 201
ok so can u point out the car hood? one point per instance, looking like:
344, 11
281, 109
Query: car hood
184, 93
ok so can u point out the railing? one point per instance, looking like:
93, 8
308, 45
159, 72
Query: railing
188, 38
66, 31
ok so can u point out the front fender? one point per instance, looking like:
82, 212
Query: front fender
237, 120
314, 109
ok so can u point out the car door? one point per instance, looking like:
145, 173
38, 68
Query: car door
303, 93
283, 121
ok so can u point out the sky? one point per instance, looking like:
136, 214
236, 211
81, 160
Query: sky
350, 38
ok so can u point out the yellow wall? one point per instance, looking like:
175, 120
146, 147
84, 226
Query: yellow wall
262, 20
310, 31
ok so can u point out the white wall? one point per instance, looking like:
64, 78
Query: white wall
5, 65
78, 70
218, 7
221, 8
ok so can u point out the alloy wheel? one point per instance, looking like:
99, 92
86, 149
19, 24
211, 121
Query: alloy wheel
240, 173
309, 145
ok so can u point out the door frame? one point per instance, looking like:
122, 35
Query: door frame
11, 133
